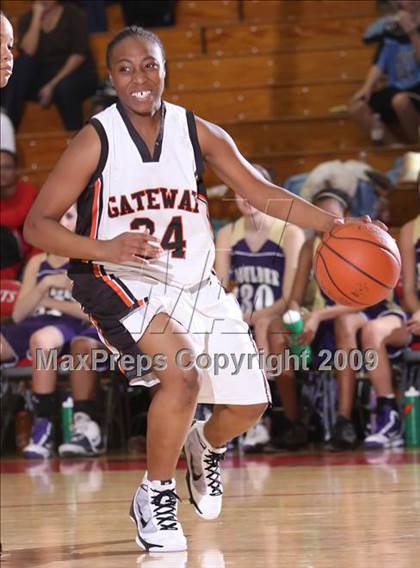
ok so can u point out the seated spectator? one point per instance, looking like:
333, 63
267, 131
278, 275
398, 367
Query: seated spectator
16, 198
46, 317
398, 58
86, 439
54, 65
317, 310
382, 329
259, 255
409, 243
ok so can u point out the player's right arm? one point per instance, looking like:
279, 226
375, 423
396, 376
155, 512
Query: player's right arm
64, 185
223, 254
31, 292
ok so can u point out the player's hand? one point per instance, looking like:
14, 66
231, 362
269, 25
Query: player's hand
364, 219
413, 323
45, 95
310, 328
132, 246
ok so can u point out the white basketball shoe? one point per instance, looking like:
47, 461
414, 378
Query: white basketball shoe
203, 473
154, 510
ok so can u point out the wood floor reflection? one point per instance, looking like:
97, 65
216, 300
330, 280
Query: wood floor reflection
304, 510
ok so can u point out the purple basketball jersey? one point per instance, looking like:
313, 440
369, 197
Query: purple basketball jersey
258, 275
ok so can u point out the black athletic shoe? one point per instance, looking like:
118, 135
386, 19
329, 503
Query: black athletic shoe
344, 436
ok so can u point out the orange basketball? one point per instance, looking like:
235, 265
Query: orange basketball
357, 264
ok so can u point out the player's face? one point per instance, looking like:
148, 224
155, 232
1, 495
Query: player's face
137, 70
68, 220
6, 55
7, 170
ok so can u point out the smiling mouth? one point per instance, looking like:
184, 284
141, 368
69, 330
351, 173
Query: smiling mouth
141, 95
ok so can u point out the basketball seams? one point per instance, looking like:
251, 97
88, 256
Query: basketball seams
357, 267
319, 256
374, 243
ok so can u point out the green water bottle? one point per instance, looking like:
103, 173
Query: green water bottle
293, 322
412, 418
67, 419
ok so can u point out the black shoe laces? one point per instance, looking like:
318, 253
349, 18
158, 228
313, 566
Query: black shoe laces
165, 509
212, 469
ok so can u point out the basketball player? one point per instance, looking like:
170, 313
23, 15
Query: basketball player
409, 243
259, 255
143, 271
6, 50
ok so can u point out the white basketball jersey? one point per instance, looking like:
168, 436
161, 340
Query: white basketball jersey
133, 190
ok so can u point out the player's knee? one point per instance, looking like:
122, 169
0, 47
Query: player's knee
189, 382
400, 102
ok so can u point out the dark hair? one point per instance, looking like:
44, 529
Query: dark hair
133, 31
339, 195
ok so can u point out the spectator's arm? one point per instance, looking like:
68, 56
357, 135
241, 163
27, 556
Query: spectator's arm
31, 292
294, 239
408, 258
332, 312
30, 38
373, 76
69, 308
223, 254
302, 275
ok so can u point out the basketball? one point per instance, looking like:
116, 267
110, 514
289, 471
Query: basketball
357, 264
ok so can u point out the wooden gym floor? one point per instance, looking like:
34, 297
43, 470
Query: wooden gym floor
308, 510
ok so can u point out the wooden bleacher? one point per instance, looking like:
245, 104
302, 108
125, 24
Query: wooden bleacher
253, 38
276, 74
257, 10
298, 68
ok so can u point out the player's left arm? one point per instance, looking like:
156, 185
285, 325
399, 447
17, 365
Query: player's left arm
223, 156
